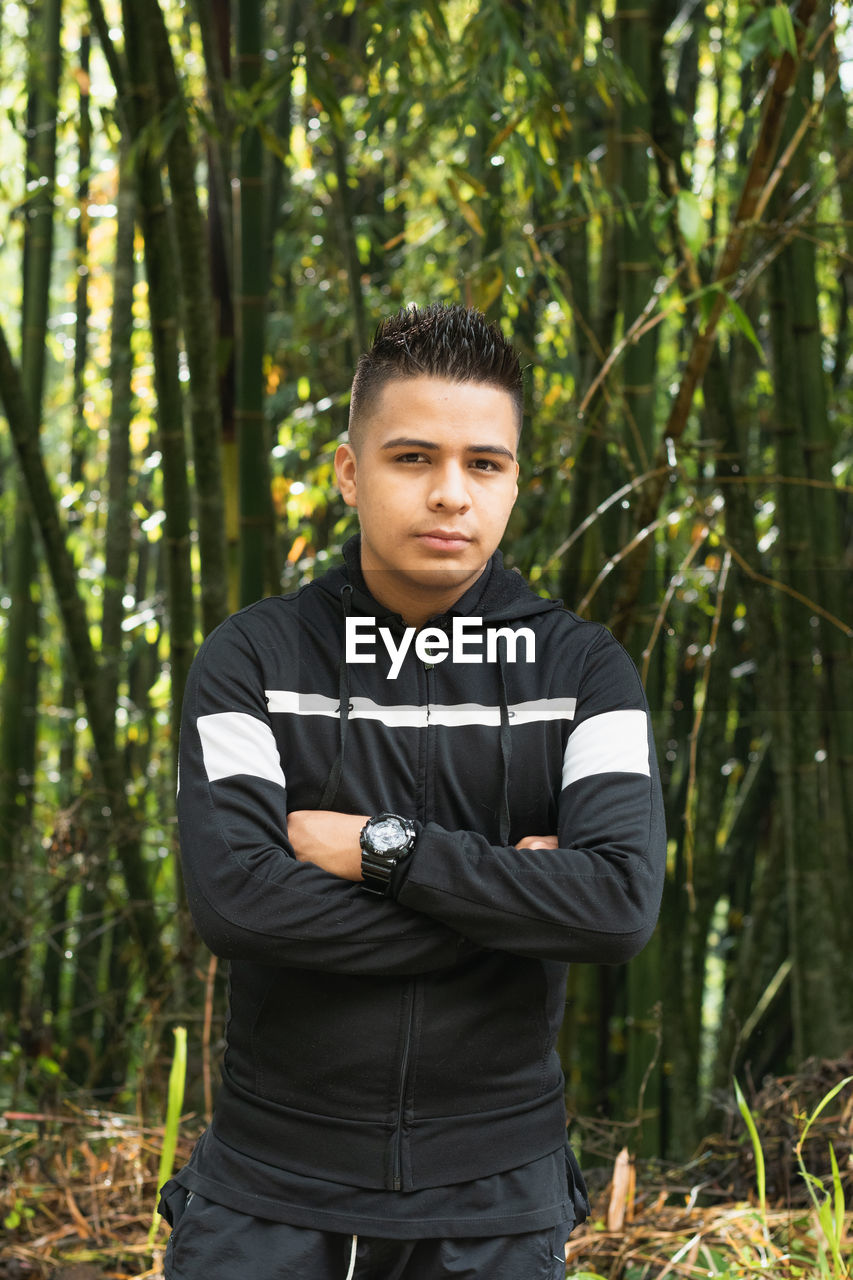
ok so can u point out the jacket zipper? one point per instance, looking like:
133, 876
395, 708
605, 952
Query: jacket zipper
397, 1170
397, 1166
429, 673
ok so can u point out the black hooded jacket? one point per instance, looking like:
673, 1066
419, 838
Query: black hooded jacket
408, 1041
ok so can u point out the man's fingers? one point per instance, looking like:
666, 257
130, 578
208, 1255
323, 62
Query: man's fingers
538, 842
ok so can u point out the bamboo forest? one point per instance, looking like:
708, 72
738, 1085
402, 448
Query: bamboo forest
206, 207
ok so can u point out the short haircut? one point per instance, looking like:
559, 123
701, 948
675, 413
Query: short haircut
438, 341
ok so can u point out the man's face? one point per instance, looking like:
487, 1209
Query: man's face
434, 482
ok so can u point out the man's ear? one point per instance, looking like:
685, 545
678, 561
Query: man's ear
345, 469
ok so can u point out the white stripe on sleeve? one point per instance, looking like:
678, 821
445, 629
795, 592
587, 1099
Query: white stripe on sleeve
613, 742
233, 742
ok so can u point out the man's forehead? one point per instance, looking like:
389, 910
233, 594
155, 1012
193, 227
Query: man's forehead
432, 386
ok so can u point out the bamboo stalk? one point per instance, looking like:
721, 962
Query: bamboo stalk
255, 496
119, 497
100, 713
19, 699
198, 325
757, 177
162, 270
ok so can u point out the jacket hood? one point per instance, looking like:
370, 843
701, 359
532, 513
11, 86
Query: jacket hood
498, 595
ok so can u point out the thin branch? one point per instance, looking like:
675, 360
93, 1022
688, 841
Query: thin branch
690, 799
599, 511
606, 569
672, 587
845, 627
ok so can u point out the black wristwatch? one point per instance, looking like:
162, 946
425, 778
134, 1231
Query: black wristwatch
385, 840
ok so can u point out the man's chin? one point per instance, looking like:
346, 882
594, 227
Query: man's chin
439, 575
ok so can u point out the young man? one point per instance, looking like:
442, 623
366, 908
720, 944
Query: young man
410, 793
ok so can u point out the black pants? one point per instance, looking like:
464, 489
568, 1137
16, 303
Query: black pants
212, 1242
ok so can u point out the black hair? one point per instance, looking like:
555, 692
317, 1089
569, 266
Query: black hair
438, 341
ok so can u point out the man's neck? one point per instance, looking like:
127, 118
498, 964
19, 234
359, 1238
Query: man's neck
415, 603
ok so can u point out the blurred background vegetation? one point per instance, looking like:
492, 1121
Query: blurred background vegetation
205, 208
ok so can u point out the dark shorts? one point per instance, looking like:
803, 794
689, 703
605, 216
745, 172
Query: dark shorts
212, 1242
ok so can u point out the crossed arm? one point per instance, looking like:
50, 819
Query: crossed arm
288, 892
330, 840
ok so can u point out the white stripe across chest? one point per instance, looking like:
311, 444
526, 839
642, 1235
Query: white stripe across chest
406, 716
235, 743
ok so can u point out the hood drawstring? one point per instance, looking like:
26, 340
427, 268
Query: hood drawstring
506, 756
330, 791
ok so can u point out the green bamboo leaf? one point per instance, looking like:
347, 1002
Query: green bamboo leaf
838, 1197
827, 1226
744, 323
756, 37
824, 1102
691, 223
810, 1180
437, 18
363, 246
783, 28
760, 1177
705, 299
205, 120
273, 142
174, 1105
489, 288
463, 175
160, 693
466, 209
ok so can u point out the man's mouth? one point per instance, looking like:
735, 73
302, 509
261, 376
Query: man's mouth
444, 539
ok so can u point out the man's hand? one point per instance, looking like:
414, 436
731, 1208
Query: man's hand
329, 840
538, 842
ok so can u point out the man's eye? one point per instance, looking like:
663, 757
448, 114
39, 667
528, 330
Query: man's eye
410, 457
485, 464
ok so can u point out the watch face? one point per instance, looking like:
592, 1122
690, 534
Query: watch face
387, 834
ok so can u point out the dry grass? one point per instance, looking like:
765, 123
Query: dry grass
731, 1240
84, 1186
78, 1190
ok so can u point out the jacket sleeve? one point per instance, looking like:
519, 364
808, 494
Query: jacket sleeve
595, 898
249, 896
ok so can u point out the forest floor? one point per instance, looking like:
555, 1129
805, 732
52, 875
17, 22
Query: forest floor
78, 1194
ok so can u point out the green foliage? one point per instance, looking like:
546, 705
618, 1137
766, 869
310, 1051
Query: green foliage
769, 31
19, 1214
816, 1248
829, 1202
174, 1106
760, 1178
691, 221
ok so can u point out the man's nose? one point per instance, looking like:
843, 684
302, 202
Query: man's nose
450, 488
